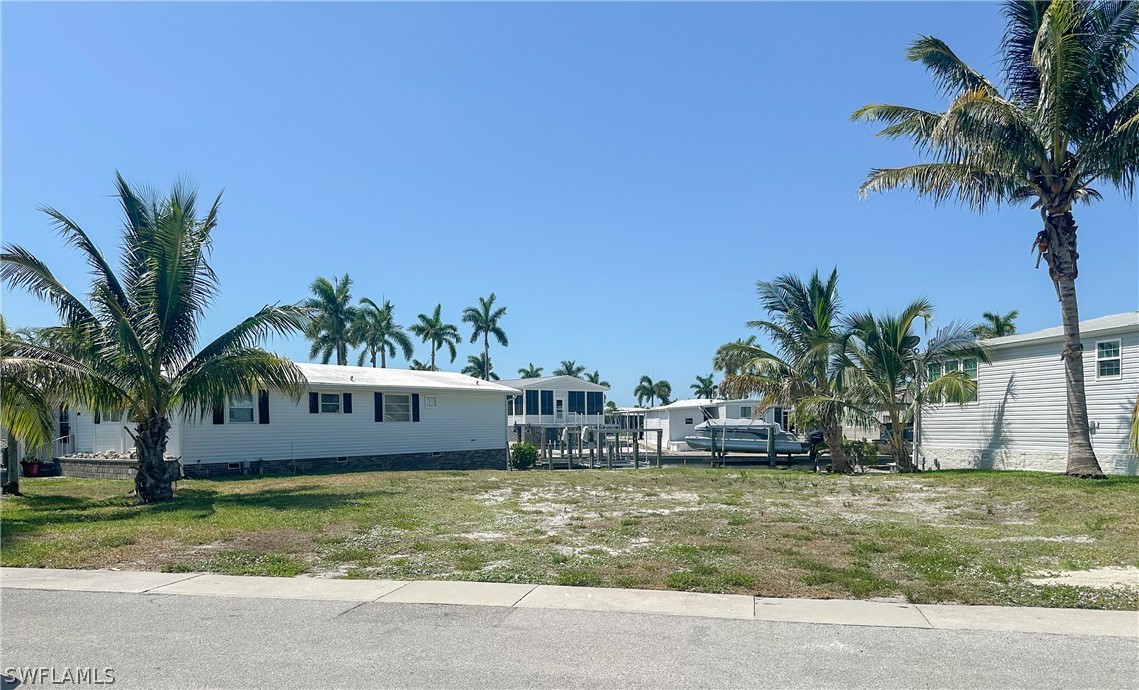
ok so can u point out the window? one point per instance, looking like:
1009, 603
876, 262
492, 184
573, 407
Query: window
745, 411
397, 407
518, 404
531, 402
547, 401
241, 409
576, 401
687, 420
108, 416
1107, 359
935, 370
595, 403
329, 403
969, 368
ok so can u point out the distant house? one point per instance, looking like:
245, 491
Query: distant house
553, 402
679, 419
1018, 420
347, 418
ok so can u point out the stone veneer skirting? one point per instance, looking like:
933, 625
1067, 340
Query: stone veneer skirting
98, 468
1036, 461
490, 459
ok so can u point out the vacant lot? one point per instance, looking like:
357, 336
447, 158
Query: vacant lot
968, 537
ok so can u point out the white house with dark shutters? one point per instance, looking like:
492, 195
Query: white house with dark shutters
1019, 419
347, 418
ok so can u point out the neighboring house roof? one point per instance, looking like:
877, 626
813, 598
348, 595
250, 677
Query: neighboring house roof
700, 402
370, 377
1116, 322
548, 382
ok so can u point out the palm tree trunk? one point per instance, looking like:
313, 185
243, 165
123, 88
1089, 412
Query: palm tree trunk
152, 483
832, 435
1062, 259
383, 358
373, 358
485, 357
12, 486
432, 356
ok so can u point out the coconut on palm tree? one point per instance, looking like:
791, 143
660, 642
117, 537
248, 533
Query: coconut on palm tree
530, 372
646, 390
433, 331
805, 371
569, 368
890, 373
331, 319
133, 345
376, 330
705, 386
484, 321
996, 325
1065, 119
480, 367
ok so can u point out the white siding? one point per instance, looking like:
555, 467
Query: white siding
460, 421
1019, 419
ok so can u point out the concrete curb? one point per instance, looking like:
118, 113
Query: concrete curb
734, 606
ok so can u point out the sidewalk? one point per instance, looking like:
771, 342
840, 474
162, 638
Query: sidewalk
730, 606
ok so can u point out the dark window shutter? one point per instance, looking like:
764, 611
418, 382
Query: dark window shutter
347, 403
415, 407
313, 403
379, 399
97, 417
262, 407
219, 415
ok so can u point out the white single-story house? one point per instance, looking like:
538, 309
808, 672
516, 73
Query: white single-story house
1019, 418
679, 419
348, 418
555, 401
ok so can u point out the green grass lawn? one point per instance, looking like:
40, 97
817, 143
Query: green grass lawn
969, 537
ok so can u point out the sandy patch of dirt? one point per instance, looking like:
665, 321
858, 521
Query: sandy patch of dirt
1101, 578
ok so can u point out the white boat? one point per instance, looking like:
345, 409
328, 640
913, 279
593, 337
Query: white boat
744, 436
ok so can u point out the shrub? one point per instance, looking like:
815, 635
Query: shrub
523, 456
861, 452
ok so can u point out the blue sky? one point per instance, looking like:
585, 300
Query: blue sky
619, 174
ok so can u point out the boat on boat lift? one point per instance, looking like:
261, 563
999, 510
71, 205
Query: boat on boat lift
745, 436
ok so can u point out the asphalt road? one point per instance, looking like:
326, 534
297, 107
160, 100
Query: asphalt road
165, 641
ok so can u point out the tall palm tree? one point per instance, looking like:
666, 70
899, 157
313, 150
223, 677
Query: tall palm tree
433, 331
646, 390
595, 377
480, 367
26, 413
484, 321
805, 370
705, 386
376, 330
331, 317
1066, 118
133, 346
996, 325
416, 365
728, 357
569, 368
663, 391
890, 373
530, 372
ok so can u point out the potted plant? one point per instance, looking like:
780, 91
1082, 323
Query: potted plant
31, 466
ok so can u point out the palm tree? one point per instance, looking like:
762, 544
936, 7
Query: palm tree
484, 321
25, 412
134, 345
890, 373
331, 317
805, 370
595, 377
416, 365
530, 372
480, 367
663, 391
376, 329
728, 357
996, 326
434, 332
705, 387
646, 390
569, 368
1066, 119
